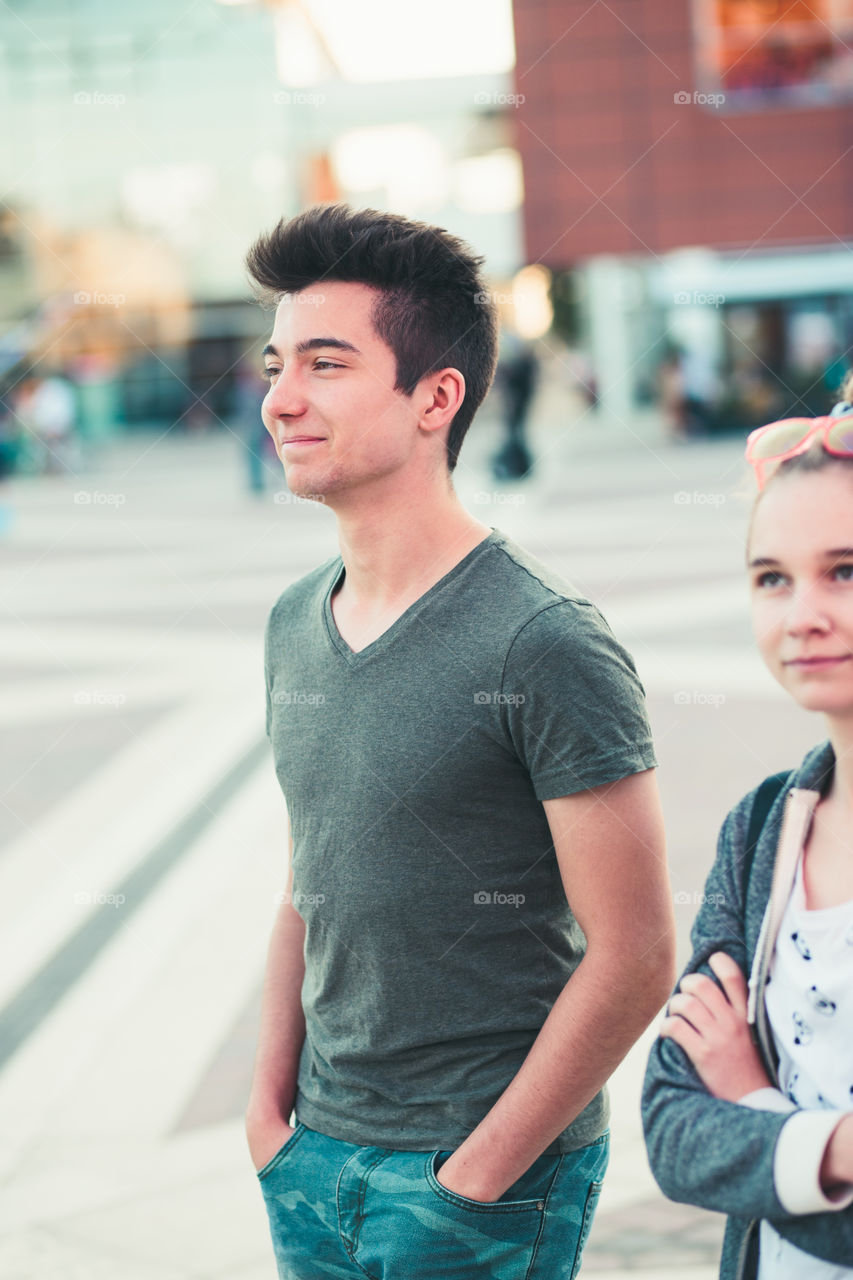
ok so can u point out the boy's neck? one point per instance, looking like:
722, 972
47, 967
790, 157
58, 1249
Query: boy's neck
396, 549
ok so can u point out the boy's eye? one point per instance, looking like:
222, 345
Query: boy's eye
327, 364
269, 373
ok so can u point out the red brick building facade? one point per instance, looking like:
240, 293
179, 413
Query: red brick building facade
622, 154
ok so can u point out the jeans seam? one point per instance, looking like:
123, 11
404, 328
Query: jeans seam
350, 1246
529, 1272
595, 1186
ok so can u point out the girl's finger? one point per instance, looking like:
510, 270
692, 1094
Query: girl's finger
706, 990
689, 1008
684, 1035
732, 980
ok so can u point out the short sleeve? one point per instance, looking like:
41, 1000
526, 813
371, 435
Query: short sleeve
574, 705
268, 676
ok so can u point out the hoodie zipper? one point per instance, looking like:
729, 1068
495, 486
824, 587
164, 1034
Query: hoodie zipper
740, 1270
758, 1029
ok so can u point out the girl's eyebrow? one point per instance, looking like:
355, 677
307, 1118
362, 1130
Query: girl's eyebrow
766, 561
837, 553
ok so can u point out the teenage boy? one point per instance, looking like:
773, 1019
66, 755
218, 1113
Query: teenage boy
477, 924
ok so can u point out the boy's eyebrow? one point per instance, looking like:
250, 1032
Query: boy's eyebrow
312, 344
768, 561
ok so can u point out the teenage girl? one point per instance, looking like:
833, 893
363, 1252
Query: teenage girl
748, 1098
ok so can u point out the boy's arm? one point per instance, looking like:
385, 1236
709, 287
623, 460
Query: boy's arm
610, 849
281, 1034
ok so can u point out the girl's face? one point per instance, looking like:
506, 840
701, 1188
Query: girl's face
800, 561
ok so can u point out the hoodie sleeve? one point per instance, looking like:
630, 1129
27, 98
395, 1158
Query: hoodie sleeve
723, 1155
704, 1150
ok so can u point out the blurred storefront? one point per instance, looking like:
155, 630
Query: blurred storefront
688, 183
145, 149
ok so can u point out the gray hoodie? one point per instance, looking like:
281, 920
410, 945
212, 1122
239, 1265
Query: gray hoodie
717, 1154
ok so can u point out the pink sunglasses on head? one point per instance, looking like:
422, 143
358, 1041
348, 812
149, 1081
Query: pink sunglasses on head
785, 439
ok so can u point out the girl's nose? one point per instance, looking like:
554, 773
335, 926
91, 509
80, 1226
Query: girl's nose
805, 614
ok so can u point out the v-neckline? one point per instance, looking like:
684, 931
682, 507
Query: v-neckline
356, 657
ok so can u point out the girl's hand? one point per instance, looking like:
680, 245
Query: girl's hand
836, 1171
710, 1026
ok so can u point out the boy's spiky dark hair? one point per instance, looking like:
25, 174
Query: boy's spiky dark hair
433, 308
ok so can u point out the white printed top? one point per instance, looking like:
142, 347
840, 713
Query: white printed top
809, 999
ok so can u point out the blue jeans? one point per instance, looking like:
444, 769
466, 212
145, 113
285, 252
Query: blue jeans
337, 1209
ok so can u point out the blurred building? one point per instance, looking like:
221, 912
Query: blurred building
689, 182
146, 146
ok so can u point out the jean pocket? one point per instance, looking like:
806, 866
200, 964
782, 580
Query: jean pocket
282, 1153
405, 1223
527, 1194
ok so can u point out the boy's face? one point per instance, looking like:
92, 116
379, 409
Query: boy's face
332, 411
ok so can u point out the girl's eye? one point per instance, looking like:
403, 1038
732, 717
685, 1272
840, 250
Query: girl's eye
769, 579
844, 572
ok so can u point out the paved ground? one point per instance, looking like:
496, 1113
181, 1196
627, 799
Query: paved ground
143, 830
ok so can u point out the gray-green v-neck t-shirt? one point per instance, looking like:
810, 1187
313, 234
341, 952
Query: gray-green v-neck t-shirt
438, 935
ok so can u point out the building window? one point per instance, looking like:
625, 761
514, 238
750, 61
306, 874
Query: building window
764, 53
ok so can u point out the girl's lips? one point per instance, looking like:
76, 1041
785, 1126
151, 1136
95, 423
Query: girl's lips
815, 664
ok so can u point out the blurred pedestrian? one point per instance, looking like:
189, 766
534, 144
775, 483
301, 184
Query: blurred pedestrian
53, 417
700, 389
748, 1099
516, 379
255, 444
9, 449
10, 439
671, 395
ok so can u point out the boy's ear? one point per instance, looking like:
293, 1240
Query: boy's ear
443, 396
